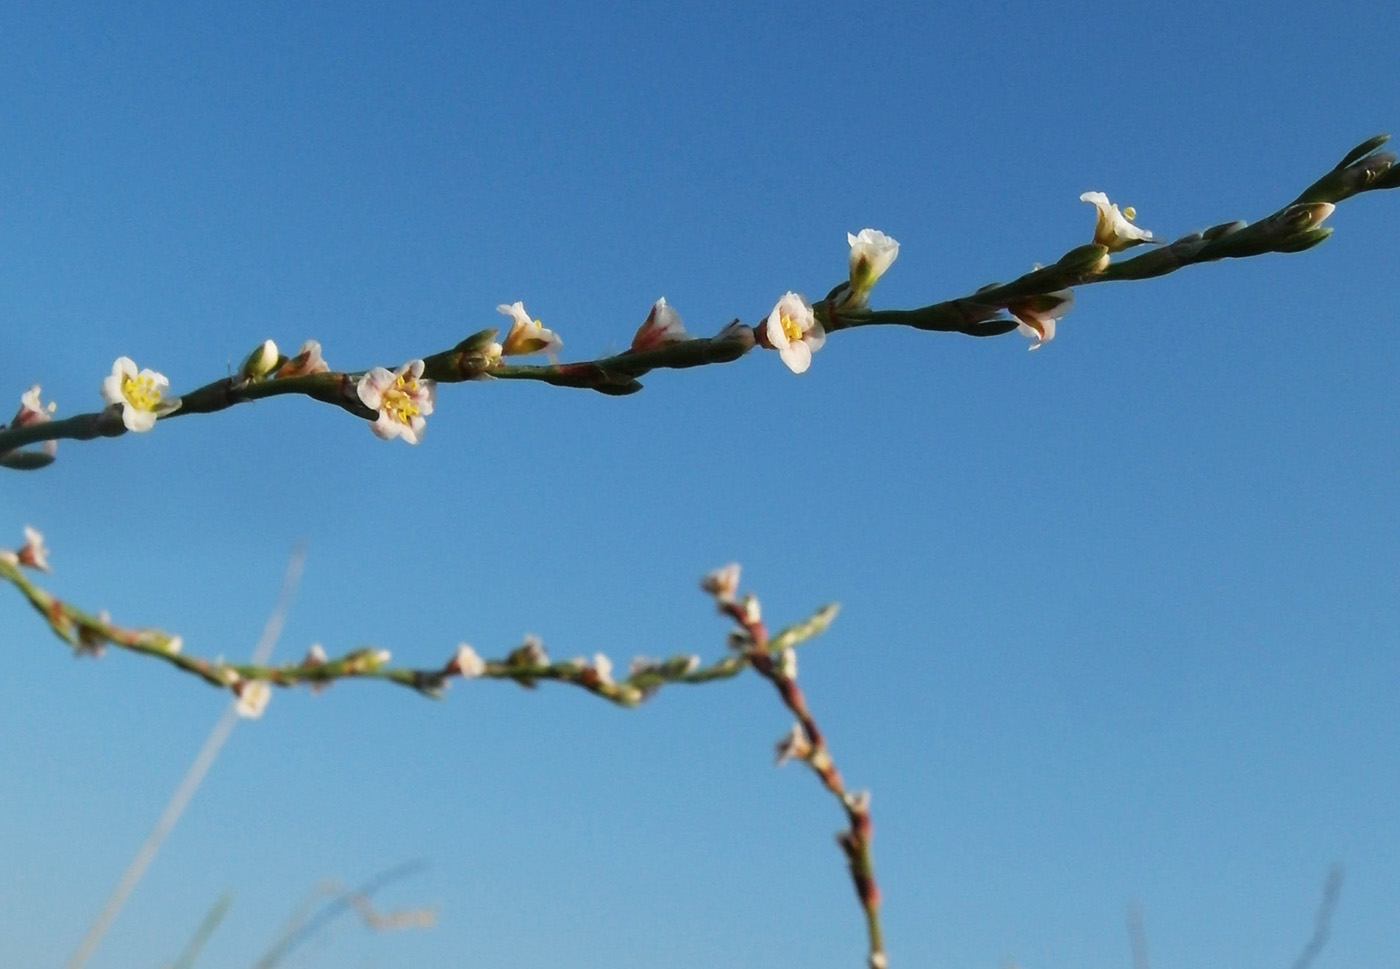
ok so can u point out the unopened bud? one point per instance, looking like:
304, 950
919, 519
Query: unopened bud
261, 362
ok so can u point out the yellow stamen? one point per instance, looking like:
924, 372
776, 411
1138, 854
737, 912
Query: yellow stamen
1129, 212
140, 392
791, 329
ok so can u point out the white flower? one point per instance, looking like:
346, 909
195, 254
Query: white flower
34, 553
723, 582
662, 327
603, 669
1114, 230
403, 400
466, 663
252, 698
753, 612
794, 745
32, 410
794, 332
872, 252
140, 395
307, 361
1036, 315
526, 335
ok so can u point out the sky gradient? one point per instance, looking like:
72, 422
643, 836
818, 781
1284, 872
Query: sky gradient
1119, 617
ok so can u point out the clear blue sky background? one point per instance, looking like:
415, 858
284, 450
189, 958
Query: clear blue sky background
1119, 616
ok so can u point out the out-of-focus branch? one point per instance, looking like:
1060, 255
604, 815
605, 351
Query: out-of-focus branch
1322, 922
527, 664
773, 658
1293, 228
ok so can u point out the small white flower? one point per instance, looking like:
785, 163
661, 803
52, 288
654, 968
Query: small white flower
403, 399
466, 663
662, 327
793, 746
723, 582
603, 669
526, 335
1036, 315
34, 553
872, 252
252, 698
792, 329
141, 396
753, 613
1114, 230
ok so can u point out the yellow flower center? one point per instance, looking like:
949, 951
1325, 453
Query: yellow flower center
140, 392
398, 400
1129, 212
791, 329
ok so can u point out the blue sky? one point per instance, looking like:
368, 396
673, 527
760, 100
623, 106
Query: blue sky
1119, 617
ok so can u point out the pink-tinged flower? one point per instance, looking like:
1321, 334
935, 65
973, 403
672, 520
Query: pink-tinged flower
872, 252
794, 332
253, 696
404, 400
307, 361
662, 328
1114, 230
526, 335
34, 553
793, 746
466, 663
141, 396
723, 582
32, 410
1036, 315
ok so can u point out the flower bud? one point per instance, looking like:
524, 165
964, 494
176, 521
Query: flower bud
260, 362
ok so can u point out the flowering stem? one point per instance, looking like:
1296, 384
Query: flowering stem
772, 660
90, 634
1291, 229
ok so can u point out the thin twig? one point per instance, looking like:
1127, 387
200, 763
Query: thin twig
300, 928
1322, 922
193, 777
1137, 935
